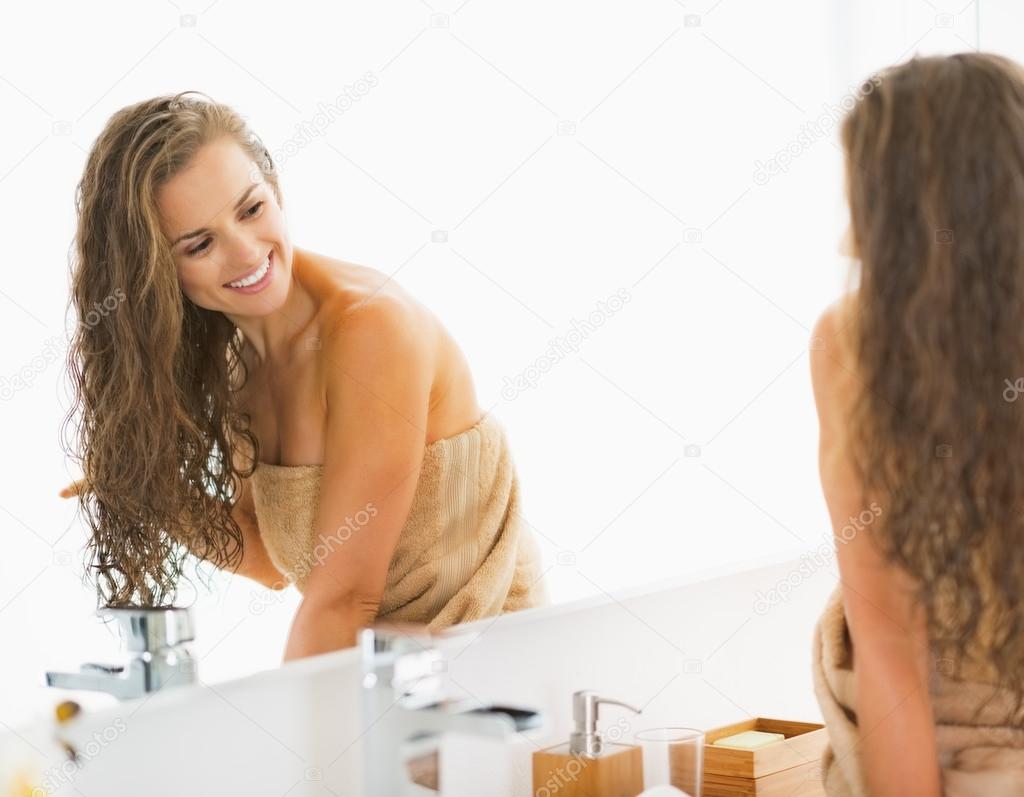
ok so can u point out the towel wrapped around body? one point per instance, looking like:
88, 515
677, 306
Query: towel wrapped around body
464, 553
981, 755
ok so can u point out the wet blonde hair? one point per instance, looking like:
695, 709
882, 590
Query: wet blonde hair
155, 376
935, 178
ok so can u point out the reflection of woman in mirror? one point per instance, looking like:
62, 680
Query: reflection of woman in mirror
916, 449
276, 412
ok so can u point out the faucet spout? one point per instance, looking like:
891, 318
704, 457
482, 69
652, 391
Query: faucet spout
403, 702
456, 717
85, 679
158, 641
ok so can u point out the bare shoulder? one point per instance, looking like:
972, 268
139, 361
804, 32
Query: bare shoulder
835, 385
353, 294
833, 365
374, 311
367, 320
370, 320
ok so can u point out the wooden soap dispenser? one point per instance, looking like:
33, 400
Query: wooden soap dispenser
588, 766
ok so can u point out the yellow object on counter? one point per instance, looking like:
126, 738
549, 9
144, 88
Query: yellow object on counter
66, 710
749, 740
23, 785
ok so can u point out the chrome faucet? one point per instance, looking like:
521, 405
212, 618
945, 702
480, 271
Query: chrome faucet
403, 683
157, 640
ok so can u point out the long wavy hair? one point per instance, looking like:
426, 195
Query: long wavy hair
935, 181
154, 376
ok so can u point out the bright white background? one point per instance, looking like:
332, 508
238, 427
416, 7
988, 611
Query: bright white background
514, 165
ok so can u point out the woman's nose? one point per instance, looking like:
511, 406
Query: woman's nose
250, 255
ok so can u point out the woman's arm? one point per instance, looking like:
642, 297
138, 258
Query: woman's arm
256, 563
890, 642
380, 371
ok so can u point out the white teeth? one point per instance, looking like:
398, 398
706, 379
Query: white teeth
254, 278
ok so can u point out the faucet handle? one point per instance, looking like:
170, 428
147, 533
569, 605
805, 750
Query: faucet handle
403, 657
148, 629
391, 639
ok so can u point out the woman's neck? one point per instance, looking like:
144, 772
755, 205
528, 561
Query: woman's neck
273, 336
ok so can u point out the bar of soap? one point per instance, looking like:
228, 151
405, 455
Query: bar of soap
749, 740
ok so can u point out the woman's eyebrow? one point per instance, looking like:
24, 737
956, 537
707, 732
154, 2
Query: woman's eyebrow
203, 230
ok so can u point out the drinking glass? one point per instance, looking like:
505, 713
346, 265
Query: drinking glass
674, 757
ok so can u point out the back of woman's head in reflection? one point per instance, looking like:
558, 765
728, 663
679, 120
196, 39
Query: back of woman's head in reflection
152, 372
934, 151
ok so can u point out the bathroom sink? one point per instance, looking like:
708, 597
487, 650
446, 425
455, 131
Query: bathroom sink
690, 652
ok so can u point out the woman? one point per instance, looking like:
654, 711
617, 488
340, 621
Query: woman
919, 656
279, 413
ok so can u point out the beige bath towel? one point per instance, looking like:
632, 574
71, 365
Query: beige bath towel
980, 756
464, 553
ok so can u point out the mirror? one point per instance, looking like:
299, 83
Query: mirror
628, 220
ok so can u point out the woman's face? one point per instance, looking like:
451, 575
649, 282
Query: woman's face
223, 222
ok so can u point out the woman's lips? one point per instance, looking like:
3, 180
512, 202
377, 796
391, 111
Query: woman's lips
256, 287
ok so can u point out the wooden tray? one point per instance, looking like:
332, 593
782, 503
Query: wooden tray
791, 767
801, 781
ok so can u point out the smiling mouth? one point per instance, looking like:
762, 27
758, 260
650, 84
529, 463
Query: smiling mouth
254, 276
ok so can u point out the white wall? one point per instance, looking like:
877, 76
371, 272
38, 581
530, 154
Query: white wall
567, 151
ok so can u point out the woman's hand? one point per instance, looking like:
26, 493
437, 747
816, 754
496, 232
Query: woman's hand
75, 488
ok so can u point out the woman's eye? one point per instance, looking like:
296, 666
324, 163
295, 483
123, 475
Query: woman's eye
203, 246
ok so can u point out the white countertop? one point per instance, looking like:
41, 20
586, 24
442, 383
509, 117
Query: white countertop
701, 650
